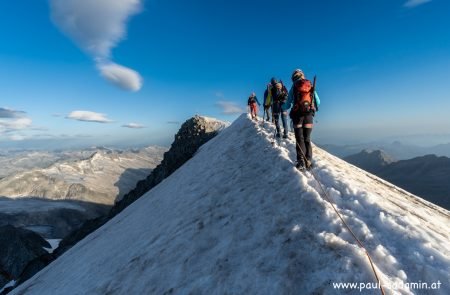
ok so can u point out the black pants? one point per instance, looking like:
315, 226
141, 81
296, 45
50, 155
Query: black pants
303, 136
267, 112
277, 111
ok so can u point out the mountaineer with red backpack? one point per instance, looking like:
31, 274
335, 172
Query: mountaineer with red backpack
304, 101
252, 101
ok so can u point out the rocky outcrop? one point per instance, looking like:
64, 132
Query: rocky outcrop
20, 248
192, 134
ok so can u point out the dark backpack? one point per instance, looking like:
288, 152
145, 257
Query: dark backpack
281, 95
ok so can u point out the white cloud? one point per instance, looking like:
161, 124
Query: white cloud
133, 126
88, 116
121, 76
414, 3
17, 137
97, 27
11, 122
15, 124
229, 107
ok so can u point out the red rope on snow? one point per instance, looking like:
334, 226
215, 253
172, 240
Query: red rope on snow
360, 244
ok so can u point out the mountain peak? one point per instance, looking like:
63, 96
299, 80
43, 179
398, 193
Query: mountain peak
372, 160
239, 218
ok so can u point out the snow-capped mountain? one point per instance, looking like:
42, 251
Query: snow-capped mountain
238, 218
103, 177
16, 161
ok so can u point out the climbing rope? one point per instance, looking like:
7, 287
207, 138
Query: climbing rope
360, 244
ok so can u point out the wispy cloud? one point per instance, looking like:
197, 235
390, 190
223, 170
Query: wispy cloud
12, 123
97, 27
414, 3
12, 120
229, 107
9, 113
133, 126
17, 137
88, 116
17, 124
174, 122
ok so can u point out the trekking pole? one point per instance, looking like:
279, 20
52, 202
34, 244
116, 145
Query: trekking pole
314, 102
274, 136
262, 119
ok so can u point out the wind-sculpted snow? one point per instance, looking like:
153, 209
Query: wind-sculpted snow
238, 218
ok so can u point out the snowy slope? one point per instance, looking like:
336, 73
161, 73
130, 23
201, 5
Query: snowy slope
239, 219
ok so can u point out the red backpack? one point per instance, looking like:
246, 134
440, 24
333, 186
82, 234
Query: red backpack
303, 96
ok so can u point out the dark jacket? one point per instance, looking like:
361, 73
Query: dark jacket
253, 99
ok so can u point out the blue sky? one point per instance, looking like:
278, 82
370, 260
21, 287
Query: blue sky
74, 72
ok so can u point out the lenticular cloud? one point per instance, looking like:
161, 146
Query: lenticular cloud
121, 76
97, 27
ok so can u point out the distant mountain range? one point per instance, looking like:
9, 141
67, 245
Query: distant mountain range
64, 189
16, 161
372, 161
103, 176
396, 149
426, 176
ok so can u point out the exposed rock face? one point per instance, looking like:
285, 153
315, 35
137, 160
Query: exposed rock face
19, 248
3, 279
192, 134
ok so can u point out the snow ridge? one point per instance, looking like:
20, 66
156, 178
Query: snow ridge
239, 218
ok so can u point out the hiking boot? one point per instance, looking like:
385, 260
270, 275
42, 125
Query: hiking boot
308, 164
285, 136
300, 165
278, 135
